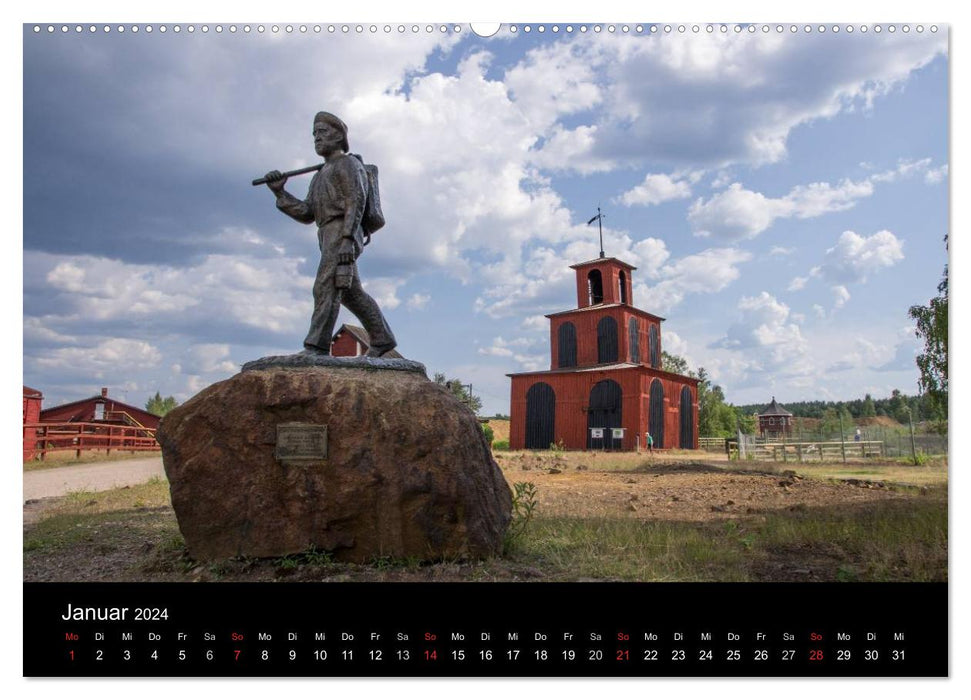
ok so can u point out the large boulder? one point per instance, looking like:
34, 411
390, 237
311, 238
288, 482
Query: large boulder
403, 471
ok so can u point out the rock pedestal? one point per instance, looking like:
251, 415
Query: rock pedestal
403, 471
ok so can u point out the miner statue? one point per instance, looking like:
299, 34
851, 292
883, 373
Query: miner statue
344, 202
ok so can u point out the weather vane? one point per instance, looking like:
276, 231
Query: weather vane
599, 219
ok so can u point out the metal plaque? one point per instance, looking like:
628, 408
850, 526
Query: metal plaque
617, 433
300, 443
597, 433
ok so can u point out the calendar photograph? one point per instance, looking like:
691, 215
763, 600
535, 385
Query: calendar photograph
398, 306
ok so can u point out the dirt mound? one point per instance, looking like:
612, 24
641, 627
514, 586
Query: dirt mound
882, 421
679, 468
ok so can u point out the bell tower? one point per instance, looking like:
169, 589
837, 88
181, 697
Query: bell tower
604, 281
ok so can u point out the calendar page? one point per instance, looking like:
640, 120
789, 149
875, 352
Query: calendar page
433, 349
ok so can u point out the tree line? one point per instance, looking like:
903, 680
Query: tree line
898, 406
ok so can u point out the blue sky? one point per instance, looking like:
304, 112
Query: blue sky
783, 195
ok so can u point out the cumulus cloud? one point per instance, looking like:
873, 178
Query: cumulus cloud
841, 295
855, 257
797, 283
518, 350
720, 99
655, 189
738, 213
766, 332
269, 295
107, 357
707, 272
418, 302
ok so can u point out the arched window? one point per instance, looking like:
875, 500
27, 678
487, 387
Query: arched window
607, 340
595, 287
540, 416
654, 348
605, 410
634, 340
567, 342
623, 287
687, 420
655, 413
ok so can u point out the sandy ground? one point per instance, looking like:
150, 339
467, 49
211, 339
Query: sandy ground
99, 476
688, 492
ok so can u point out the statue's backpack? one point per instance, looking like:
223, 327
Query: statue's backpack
373, 217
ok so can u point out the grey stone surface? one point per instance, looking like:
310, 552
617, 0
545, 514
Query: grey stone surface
317, 360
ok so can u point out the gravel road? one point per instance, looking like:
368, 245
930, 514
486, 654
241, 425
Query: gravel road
99, 476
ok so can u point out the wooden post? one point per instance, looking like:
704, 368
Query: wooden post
913, 441
842, 439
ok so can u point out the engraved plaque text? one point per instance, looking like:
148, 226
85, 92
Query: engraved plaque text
300, 443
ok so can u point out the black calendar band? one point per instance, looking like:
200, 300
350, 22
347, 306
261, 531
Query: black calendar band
489, 629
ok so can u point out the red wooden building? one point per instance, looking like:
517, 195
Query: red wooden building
351, 341
100, 409
96, 423
32, 405
605, 374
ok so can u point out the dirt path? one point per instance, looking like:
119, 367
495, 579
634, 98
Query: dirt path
99, 476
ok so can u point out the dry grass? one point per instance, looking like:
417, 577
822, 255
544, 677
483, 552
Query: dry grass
500, 429
621, 517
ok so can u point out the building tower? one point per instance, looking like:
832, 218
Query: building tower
605, 387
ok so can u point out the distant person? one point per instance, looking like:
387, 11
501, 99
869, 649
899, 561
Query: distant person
857, 437
650, 443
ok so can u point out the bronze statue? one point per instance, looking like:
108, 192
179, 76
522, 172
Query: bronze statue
344, 202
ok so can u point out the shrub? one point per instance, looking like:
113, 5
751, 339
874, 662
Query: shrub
500, 445
487, 429
523, 504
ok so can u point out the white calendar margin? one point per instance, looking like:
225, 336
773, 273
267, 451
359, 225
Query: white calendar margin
926, 11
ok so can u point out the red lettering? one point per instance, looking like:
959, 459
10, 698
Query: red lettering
429, 637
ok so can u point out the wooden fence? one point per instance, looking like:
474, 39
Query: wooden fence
80, 437
712, 444
807, 451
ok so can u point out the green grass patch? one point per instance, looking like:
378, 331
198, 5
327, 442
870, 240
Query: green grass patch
631, 550
890, 541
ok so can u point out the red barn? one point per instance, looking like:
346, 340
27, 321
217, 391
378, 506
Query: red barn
100, 409
32, 404
605, 386
351, 341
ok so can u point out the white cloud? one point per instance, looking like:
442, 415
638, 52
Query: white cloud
208, 358
707, 272
841, 295
110, 357
655, 189
536, 323
797, 283
517, 350
768, 336
738, 213
719, 99
936, 175
855, 257
268, 294
418, 302
781, 252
